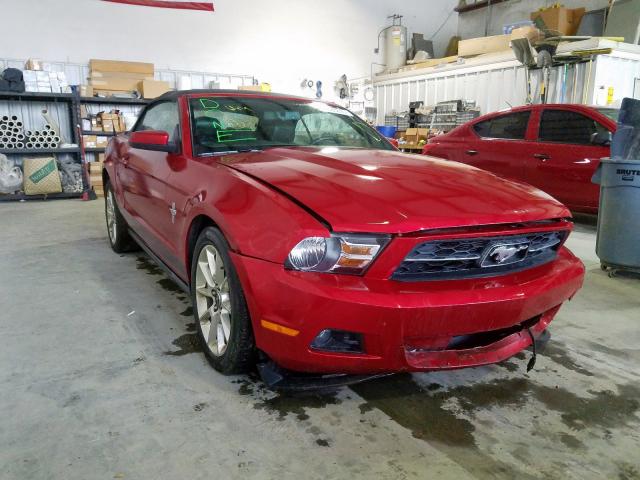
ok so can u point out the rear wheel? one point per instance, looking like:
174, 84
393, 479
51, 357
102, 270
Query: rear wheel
117, 228
219, 306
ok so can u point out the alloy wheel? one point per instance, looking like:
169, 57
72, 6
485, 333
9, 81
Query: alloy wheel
213, 300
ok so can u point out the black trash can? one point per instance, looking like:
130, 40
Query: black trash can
618, 238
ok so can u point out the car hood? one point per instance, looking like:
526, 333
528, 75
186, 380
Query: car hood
379, 191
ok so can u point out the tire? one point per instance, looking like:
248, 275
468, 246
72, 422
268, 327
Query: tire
219, 307
118, 231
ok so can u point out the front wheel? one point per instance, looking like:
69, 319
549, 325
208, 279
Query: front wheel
117, 228
219, 306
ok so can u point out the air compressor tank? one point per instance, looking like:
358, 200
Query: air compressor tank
395, 47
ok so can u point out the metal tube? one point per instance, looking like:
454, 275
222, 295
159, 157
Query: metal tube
20, 145
29, 145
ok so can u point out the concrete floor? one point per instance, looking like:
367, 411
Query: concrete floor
100, 378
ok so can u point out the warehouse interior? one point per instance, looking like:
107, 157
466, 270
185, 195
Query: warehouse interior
498, 121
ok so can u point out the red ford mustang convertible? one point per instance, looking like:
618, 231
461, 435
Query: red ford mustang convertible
307, 241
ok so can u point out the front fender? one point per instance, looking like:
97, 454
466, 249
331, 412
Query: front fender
256, 220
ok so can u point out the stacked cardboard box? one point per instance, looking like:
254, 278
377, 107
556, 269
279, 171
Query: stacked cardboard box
415, 138
95, 175
95, 141
108, 122
42, 81
107, 77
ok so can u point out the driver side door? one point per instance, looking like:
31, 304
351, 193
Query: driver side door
143, 175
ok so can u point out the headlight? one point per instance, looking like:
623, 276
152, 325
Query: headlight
338, 253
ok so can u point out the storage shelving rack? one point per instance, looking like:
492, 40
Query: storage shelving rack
70, 101
107, 101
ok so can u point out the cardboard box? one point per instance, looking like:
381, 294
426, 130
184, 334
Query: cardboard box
33, 64
153, 88
118, 125
96, 167
90, 141
86, 91
263, 87
558, 21
101, 158
107, 125
115, 84
432, 62
496, 43
30, 86
107, 116
86, 124
122, 67
478, 46
413, 135
101, 141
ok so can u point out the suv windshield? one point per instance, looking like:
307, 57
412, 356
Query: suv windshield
223, 124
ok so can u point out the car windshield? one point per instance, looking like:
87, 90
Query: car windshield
612, 113
235, 123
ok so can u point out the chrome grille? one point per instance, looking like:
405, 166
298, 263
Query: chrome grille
479, 256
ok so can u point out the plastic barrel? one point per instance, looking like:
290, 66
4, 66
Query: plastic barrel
386, 130
618, 234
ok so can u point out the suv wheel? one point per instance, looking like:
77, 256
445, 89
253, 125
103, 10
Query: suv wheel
219, 306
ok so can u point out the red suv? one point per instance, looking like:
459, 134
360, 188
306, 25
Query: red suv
555, 148
304, 237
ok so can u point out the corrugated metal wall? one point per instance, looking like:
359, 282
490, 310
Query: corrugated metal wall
498, 86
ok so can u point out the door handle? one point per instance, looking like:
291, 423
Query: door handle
471, 152
541, 156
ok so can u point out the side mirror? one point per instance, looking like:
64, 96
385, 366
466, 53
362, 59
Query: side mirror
155, 140
601, 138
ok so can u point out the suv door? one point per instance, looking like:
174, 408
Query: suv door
143, 175
565, 159
497, 145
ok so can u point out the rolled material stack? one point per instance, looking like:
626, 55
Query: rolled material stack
45, 138
14, 137
11, 132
